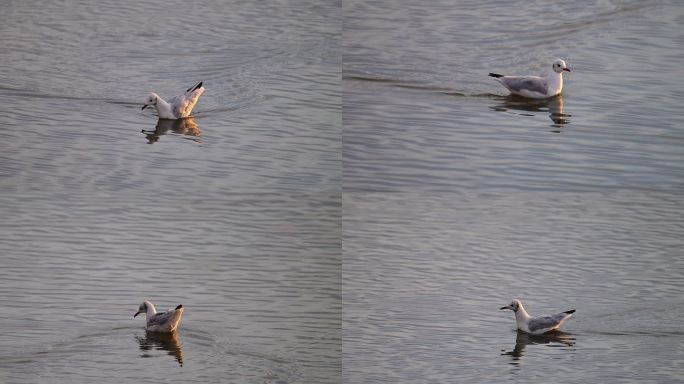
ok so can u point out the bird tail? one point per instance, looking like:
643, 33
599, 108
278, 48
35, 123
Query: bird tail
496, 75
179, 307
198, 85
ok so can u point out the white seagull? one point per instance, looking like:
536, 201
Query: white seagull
536, 325
179, 106
534, 86
162, 321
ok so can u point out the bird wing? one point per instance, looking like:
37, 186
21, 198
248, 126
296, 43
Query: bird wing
183, 104
548, 322
198, 85
160, 318
520, 83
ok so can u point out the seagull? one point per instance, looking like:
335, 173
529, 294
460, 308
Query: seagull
536, 87
162, 321
179, 106
536, 325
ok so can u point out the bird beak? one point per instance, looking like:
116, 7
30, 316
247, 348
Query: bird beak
504, 308
136, 314
566, 69
144, 106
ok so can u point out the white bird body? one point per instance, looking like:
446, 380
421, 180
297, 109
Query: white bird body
537, 325
536, 87
177, 107
162, 321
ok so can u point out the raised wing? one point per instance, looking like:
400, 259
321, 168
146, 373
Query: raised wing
183, 104
198, 85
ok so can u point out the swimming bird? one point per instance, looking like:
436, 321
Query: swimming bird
536, 325
534, 86
179, 106
162, 321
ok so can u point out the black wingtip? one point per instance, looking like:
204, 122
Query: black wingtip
495, 75
179, 306
570, 311
198, 85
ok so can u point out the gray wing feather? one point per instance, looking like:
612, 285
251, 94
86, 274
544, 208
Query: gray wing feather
544, 322
530, 83
182, 104
160, 318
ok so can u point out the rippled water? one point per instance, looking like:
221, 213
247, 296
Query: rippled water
75, 75
421, 112
425, 275
234, 214
348, 206
258, 275
458, 197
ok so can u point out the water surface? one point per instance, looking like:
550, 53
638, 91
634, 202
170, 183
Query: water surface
459, 198
424, 276
234, 213
420, 111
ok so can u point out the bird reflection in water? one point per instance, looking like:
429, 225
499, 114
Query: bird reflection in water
529, 107
186, 126
524, 339
168, 342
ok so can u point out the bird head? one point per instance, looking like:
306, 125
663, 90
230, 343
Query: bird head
559, 66
513, 306
151, 100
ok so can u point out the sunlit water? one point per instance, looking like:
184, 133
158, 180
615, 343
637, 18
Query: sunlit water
421, 112
234, 214
424, 276
458, 197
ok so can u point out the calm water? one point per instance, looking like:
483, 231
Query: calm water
458, 198
420, 111
343, 207
424, 276
234, 214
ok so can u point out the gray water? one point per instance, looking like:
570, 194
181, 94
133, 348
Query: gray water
420, 111
235, 214
424, 276
459, 198
350, 207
